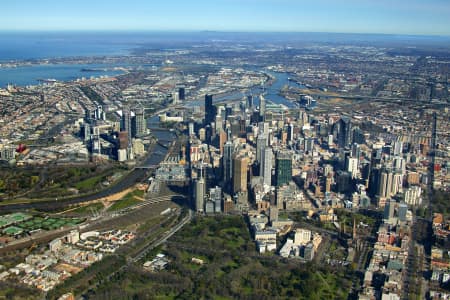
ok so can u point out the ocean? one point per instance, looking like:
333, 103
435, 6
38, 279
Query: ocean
31, 46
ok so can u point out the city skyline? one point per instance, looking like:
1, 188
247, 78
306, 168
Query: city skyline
401, 17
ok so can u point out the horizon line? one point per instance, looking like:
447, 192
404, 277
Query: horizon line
216, 31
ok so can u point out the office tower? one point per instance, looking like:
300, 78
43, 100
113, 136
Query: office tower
215, 194
99, 114
266, 166
263, 128
200, 187
376, 156
358, 136
290, 136
228, 110
385, 184
344, 132
389, 209
210, 109
399, 164
343, 181
309, 145
356, 150
398, 147
222, 140
330, 140
402, 211
283, 168
88, 115
328, 183
181, 93
126, 122
262, 107
303, 118
261, 143
240, 168
249, 101
227, 161
327, 169
218, 123
351, 166
202, 134
191, 128
397, 183
85, 132
123, 140
138, 124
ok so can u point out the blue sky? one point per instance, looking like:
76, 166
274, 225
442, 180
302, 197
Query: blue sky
355, 16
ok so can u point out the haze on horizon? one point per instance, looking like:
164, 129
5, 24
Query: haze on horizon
412, 17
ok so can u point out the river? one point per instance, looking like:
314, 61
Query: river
272, 92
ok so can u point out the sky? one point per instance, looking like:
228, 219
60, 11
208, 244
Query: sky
416, 17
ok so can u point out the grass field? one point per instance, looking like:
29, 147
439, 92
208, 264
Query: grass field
128, 200
87, 209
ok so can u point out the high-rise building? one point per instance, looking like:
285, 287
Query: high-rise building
249, 101
227, 161
228, 110
290, 135
351, 165
356, 150
261, 143
138, 124
181, 93
385, 184
390, 183
222, 140
240, 168
266, 166
123, 140
86, 132
262, 107
215, 194
389, 209
402, 211
344, 132
199, 192
210, 109
398, 147
126, 122
191, 128
309, 145
283, 168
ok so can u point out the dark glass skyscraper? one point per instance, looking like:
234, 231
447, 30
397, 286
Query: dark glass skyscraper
210, 109
283, 168
344, 132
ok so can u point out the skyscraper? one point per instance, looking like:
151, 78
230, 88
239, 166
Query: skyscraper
249, 101
210, 109
227, 161
262, 107
138, 124
344, 132
240, 168
261, 143
125, 124
199, 192
351, 166
283, 168
215, 194
266, 166
181, 93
